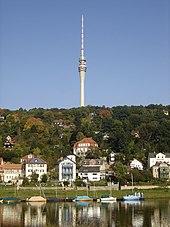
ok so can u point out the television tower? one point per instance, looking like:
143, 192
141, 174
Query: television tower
82, 64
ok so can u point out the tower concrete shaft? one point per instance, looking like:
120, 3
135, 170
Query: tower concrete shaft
82, 65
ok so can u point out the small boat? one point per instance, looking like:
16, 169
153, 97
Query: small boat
36, 199
131, 197
83, 198
107, 198
11, 200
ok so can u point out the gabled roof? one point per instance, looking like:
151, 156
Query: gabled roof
67, 158
27, 158
86, 140
89, 169
36, 161
161, 164
153, 155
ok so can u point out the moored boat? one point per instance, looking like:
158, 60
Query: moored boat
83, 198
131, 198
11, 200
36, 199
107, 198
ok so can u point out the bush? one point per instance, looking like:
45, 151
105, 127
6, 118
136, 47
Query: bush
78, 183
25, 181
98, 183
66, 183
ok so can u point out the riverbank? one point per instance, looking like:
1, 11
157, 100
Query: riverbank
61, 193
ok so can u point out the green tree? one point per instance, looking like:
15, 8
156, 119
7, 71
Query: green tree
34, 177
44, 178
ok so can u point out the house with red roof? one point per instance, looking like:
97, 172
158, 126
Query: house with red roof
81, 147
10, 173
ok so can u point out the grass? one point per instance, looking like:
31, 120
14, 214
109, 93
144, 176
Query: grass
51, 193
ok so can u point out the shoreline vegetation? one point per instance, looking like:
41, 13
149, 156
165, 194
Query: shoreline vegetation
69, 193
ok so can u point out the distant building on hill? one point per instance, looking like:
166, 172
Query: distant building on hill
161, 170
136, 164
153, 158
83, 146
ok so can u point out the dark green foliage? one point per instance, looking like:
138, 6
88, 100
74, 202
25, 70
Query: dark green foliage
44, 178
66, 183
34, 131
25, 181
34, 177
78, 183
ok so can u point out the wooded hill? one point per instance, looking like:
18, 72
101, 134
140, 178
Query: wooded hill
130, 131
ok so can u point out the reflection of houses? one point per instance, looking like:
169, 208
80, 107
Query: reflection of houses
10, 215
83, 146
66, 215
34, 215
67, 168
32, 164
10, 172
136, 164
161, 170
153, 158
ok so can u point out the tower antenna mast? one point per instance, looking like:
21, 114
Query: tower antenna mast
82, 64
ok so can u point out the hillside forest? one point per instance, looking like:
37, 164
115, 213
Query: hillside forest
129, 131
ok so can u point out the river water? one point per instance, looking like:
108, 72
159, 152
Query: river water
155, 213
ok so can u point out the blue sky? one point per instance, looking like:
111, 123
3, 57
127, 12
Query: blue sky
127, 47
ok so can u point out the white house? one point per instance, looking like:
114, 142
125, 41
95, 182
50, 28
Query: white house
83, 146
67, 168
112, 157
89, 173
136, 164
153, 158
11, 172
34, 165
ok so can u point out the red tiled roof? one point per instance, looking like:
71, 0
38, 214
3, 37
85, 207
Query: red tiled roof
11, 166
86, 140
26, 158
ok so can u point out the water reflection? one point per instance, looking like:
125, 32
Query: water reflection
136, 214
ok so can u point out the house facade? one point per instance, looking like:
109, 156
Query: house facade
89, 173
153, 158
161, 170
10, 173
67, 168
32, 164
136, 164
81, 147
101, 163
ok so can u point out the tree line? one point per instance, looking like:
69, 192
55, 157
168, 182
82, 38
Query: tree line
129, 131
